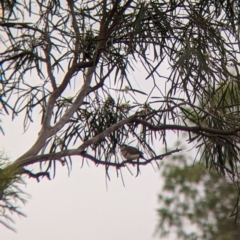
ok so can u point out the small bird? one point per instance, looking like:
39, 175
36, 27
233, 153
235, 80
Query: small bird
130, 153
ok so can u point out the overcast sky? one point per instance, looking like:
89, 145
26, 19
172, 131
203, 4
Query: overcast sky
82, 206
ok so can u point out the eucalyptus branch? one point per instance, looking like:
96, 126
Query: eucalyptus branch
59, 91
111, 129
48, 131
46, 157
116, 22
47, 50
123, 163
113, 10
20, 55
101, 82
18, 25
76, 30
122, 37
77, 152
75, 105
196, 129
37, 175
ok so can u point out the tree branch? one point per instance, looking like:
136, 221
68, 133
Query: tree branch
100, 83
28, 156
37, 175
76, 30
111, 129
20, 55
77, 152
46, 157
59, 91
20, 26
47, 51
48, 131
196, 129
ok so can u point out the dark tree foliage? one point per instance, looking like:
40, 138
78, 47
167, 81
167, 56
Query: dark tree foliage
74, 62
1, 129
195, 204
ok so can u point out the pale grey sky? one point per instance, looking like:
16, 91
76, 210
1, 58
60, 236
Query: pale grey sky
80, 206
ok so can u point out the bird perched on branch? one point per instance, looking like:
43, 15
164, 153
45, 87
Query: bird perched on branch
130, 153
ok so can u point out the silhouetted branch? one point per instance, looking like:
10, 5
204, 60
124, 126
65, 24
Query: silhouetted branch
75, 152
37, 175
195, 129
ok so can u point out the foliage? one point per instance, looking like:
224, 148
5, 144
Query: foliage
10, 192
1, 130
196, 204
74, 62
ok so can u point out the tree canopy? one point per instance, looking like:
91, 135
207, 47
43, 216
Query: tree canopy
195, 203
73, 64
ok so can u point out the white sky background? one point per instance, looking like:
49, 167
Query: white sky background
82, 206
